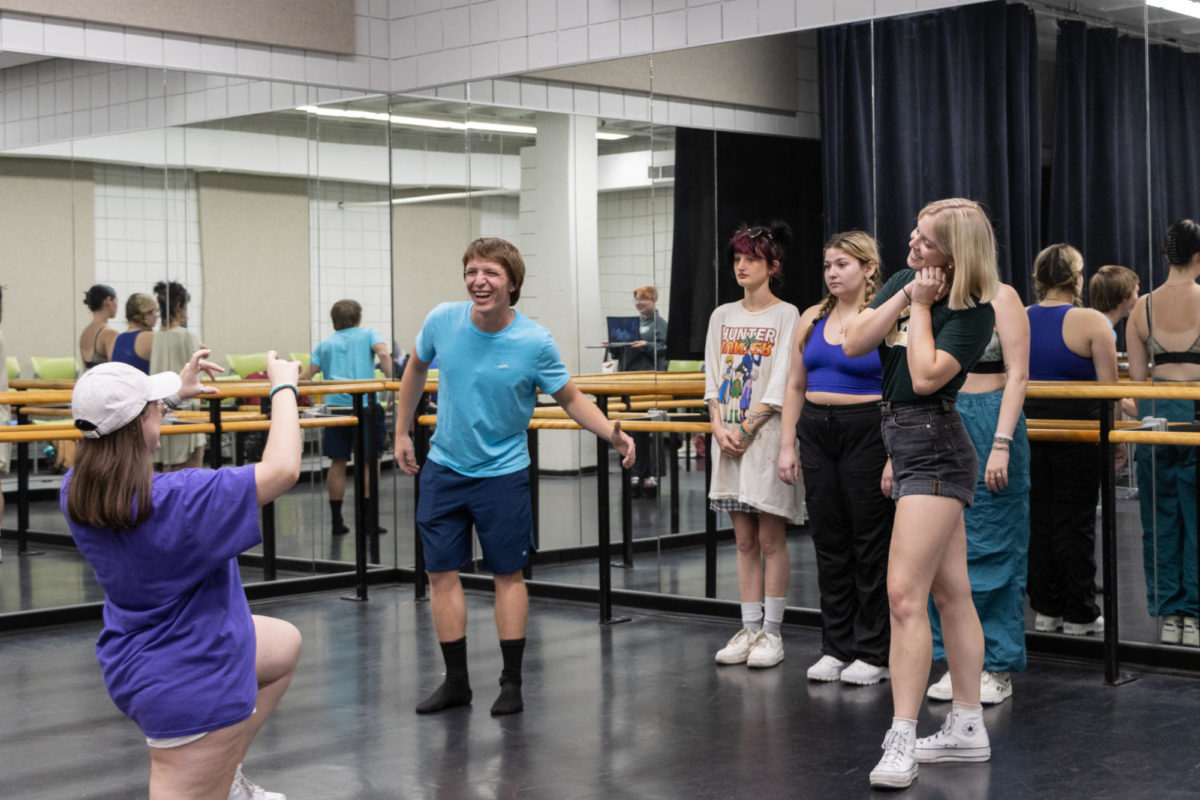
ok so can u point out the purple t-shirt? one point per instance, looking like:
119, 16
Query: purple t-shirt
178, 647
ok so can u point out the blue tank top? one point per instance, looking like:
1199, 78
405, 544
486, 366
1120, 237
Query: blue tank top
831, 370
1049, 357
124, 352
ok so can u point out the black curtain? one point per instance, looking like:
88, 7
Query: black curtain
957, 114
722, 180
1098, 189
1174, 155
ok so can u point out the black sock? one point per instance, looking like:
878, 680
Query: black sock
510, 701
335, 511
456, 689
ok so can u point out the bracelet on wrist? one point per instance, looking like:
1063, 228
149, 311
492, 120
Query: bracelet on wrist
173, 402
746, 434
1003, 448
1002, 437
276, 389
904, 289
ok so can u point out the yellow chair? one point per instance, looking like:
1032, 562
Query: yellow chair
243, 365
14, 368
53, 369
685, 366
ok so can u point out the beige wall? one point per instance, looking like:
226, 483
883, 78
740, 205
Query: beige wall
47, 231
428, 240
254, 245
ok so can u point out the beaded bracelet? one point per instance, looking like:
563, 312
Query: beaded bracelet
1002, 437
173, 402
291, 386
744, 432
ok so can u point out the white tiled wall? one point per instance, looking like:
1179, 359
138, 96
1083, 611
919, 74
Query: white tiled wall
147, 230
501, 216
634, 236
349, 237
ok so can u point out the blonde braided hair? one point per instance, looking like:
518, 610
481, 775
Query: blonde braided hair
862, 247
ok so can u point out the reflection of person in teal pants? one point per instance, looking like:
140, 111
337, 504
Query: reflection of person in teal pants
1166, 476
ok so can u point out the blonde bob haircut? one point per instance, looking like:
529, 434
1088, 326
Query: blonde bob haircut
138, 308
963, 232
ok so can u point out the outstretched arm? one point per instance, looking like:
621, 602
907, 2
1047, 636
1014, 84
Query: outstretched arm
280, 466
590, 418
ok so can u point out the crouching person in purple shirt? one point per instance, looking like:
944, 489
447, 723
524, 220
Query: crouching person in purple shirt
181, 654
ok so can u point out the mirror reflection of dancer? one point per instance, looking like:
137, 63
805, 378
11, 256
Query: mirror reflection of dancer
832, 407
935, 320
754, 335
182, 655
493, 360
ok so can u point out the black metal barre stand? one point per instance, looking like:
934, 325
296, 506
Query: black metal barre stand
1108, 548
603, 526
360, 503
23, 467
420, 437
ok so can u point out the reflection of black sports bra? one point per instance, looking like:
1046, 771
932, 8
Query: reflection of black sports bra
1160, 354
97, 359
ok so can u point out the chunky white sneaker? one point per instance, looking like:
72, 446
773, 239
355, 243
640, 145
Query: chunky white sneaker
827, 668
898, 767
765, 651
958, 740
1191, 632
994, 687
942, 689
1084, 628
1172, 629
737, 649
863, 674
1047, 623
245, 789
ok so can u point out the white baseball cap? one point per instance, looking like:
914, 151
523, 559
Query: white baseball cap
111, 395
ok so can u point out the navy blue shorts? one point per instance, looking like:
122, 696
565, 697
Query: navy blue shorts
499, 507
339, 442
930, 449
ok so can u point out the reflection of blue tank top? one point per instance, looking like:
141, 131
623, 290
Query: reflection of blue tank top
1049, 357
124, 351
831, 370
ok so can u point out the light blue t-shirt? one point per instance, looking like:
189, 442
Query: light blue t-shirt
347, 356
487, 388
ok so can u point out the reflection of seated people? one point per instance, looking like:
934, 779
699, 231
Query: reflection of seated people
1112, 291
133, 346
349, 355
647, 352
170, 351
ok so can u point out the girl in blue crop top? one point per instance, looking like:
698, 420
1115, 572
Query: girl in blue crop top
133, 346
832, 407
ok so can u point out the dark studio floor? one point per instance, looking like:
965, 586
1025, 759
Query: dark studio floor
635, 710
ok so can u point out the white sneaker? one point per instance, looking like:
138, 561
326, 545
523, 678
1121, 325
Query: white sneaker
1191, 632
898, 767
1047, 623
1172, 629
827, 668
994, 687
942, 689
245, 789
863, 674
737, 649
1084, 628
958, 740
765, 651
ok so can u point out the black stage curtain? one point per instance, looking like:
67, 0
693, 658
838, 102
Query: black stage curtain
721, 181
1174, 156
941, 128
1098, 194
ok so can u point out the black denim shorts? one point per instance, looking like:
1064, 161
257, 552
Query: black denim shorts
930, 449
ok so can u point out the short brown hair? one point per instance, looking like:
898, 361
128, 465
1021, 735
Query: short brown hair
110, 485
504, 253
1110, 286
346, 314
646, 293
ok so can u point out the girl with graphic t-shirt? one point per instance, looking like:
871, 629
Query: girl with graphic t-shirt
753, 337
181, 654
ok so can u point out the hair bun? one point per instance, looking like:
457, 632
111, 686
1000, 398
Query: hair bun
1183, 242
781, 231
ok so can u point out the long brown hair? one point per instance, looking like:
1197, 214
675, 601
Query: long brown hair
862, 247
110, 485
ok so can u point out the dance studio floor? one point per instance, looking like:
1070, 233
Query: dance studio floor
635, 710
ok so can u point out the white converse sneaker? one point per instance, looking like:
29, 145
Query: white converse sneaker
1084, 628
958, 740
863, 674
765, 651
827, 668
1172, 629
1191, 632
1047, 623
898, 767
994, 687
737, 649
942, 689
245, 789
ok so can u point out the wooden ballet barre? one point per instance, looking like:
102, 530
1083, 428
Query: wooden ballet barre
1115, 390
39, 383
1181, 438
1063, 435
430, 420
46, 433
1076, 424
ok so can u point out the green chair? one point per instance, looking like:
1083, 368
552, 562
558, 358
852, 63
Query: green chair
14, 368
245, 364
685, 366
304, 358
53, 369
